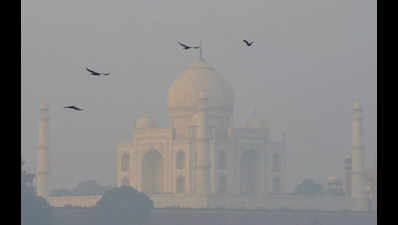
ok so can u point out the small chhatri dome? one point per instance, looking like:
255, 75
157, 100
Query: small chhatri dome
43, 107
145, 121
255, 122
356, 105
332, 179
199, 77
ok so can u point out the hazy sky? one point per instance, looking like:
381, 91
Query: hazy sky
310, 59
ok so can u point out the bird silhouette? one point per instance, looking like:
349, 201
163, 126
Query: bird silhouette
92, 72
248, 43
73, 107
186, 47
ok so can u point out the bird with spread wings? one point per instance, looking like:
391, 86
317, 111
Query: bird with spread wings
92, 72
248, 43
73, 107
186, 47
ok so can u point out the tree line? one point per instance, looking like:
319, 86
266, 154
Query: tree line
119, 205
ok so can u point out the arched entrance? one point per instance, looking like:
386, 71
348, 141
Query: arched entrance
276, 185
276, 163
222, 160
248, 172
125, 162
180, 160
180, 184
152, 168
125, 182
222, 184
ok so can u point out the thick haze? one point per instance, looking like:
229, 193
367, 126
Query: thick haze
310, 59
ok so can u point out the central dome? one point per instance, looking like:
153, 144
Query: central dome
199, 77
255, 122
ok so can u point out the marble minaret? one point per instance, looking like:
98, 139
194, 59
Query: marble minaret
42, 168
203, 151
358, 192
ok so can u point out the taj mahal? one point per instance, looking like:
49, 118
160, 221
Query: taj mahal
200, 157
201, 161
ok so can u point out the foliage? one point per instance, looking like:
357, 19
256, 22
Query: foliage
308, 187
27, 181
34, 209
123, 206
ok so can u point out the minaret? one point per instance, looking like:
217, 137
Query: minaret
42, 168
203, 149
358, 192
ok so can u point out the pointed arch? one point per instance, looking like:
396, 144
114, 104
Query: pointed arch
174, 133
222, 184
180, 184
125, 181
152, 169
276, 185
248, 173
180, 160
125, 162
222, 160
276, 163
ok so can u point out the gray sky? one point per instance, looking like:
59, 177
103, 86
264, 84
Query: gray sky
310, 59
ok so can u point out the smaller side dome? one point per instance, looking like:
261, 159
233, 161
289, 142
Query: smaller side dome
145, 121
332, 179
254, 122
356, 105
43, 107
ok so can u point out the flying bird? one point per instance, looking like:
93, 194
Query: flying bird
73, 107
186, 47
248, 43
92, 72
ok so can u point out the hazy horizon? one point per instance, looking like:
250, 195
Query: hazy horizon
309, 61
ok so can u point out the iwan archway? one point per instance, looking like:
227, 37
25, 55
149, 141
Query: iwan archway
152, 168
